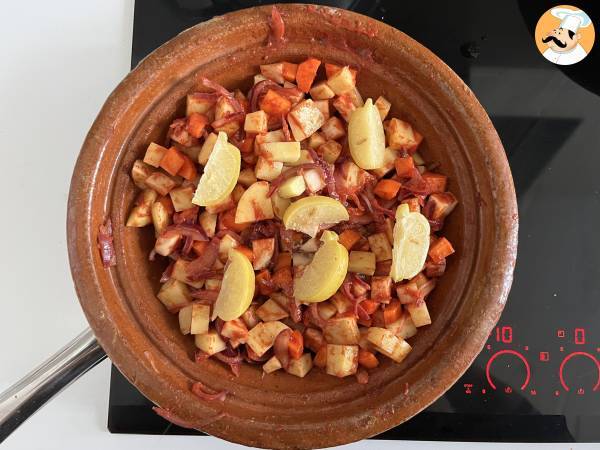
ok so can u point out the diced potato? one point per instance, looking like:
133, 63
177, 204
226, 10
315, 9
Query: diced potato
212, 284
266, 169
342, 81
313, 180
363, 342
247, 177
154, 154
185, 319
270, 310
311, 246
344, 106
292, 187
199, 104
225, 244
316, 140
273, 72
256, 122
404, 327
327, 310
342, 360
287, 152
255, 205
262, 337
223, 107
174, 295
182, 198
165, 245
419, 313
207, 148
249, 317
381, 289
388, 344
301, 259
305, 158
321, 91
400, 135
355, 97
362, 262
262, 249
200, 318
210, 343
341, 303
313, 339
323, 106
342, 330
160, 217
179, 273
271, 365
418, 159
384, 340
389, 157
140, 173
304, 119
237, 193
192, 151
380, 245
301, 366
401, 350
140, 216
271, 136
208, 222
161, 183
235, 330
279, 204
259, 77
440, 205
383, 106
224, 205
333, 129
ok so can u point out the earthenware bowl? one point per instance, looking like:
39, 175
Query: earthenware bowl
281, 411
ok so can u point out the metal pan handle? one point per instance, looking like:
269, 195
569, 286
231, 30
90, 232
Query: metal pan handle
24, 398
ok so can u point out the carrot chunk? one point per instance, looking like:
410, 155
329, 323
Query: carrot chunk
289, 71
440, 249
188, 169
387, 189
404, 166
172, 161
348, 238
306, 73
196, 123
367, 359
392, 312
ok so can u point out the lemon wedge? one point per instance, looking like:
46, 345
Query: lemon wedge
237, 287
326, 272
411, 243
220, 173
309, 213
366, 137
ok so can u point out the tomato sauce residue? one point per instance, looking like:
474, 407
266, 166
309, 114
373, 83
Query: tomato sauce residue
338, 19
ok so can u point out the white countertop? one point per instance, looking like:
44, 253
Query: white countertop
60, 59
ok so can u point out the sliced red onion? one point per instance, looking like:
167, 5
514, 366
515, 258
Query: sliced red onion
277, 27
199, 390
281, 347
106, 245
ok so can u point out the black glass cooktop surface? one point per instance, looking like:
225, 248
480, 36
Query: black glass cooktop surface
538, 377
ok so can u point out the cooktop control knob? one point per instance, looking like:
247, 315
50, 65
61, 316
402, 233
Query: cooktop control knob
577, 372
508, 366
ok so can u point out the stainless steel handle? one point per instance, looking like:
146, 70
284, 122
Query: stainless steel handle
24, 398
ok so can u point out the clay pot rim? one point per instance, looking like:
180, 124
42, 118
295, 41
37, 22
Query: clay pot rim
90, 278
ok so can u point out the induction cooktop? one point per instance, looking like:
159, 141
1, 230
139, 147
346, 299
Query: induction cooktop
538, 377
